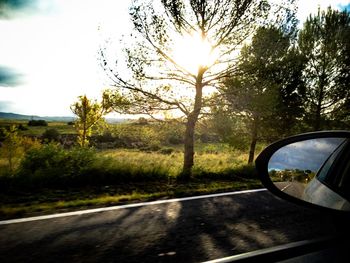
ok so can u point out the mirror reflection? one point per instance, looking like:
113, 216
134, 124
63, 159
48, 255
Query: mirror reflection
309, 169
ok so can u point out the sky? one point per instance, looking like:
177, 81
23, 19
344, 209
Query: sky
49, 50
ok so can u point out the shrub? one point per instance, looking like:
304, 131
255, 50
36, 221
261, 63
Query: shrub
142, 121
105, 137
150, 148
52, 165
29, 143
21, 127
51, 135
11, 148
166, 150
37, 123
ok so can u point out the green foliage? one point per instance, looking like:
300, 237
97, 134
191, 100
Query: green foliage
11, 148
21, 127
142, 121
324, 43
37, 123
133, 135
89, 115
171, 132
51, 165
166, 150
261, 87
51, 135
229, 127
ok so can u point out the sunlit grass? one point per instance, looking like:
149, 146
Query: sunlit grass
138, 160
219, 162
213, 160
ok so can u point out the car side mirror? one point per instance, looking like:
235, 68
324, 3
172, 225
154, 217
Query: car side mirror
312, 169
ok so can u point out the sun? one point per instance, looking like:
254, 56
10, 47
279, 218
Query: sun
191, 52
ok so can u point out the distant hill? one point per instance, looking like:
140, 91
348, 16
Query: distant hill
15, 116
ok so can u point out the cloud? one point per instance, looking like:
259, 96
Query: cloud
10, 9
6, 106
304, 155
9, 77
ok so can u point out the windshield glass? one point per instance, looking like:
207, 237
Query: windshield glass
108, 103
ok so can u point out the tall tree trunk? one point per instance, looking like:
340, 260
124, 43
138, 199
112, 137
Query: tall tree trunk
254, 139
189, 148
317, 123
192, 119
84, 134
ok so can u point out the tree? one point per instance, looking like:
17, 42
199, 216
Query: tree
262, 85
11, 147
290, 107
324, 42
89, 114
159, 81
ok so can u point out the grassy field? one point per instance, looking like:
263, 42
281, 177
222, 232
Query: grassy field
211, 158
62, 127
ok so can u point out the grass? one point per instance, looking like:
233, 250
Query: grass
48, 201
214, 161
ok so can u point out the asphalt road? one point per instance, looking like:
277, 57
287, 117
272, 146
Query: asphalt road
186, 231
295, 188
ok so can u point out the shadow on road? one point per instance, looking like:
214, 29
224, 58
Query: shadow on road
190, 231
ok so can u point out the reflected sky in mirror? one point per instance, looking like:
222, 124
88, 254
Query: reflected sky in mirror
304, 155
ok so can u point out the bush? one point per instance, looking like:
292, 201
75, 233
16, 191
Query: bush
21, 127
150, 148
105, 137
51, 135
166, 150
37, 123
51, 165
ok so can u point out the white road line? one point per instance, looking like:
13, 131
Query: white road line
103, 209
286, 187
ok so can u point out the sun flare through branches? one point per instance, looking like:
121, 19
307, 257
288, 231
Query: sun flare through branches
191, 51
